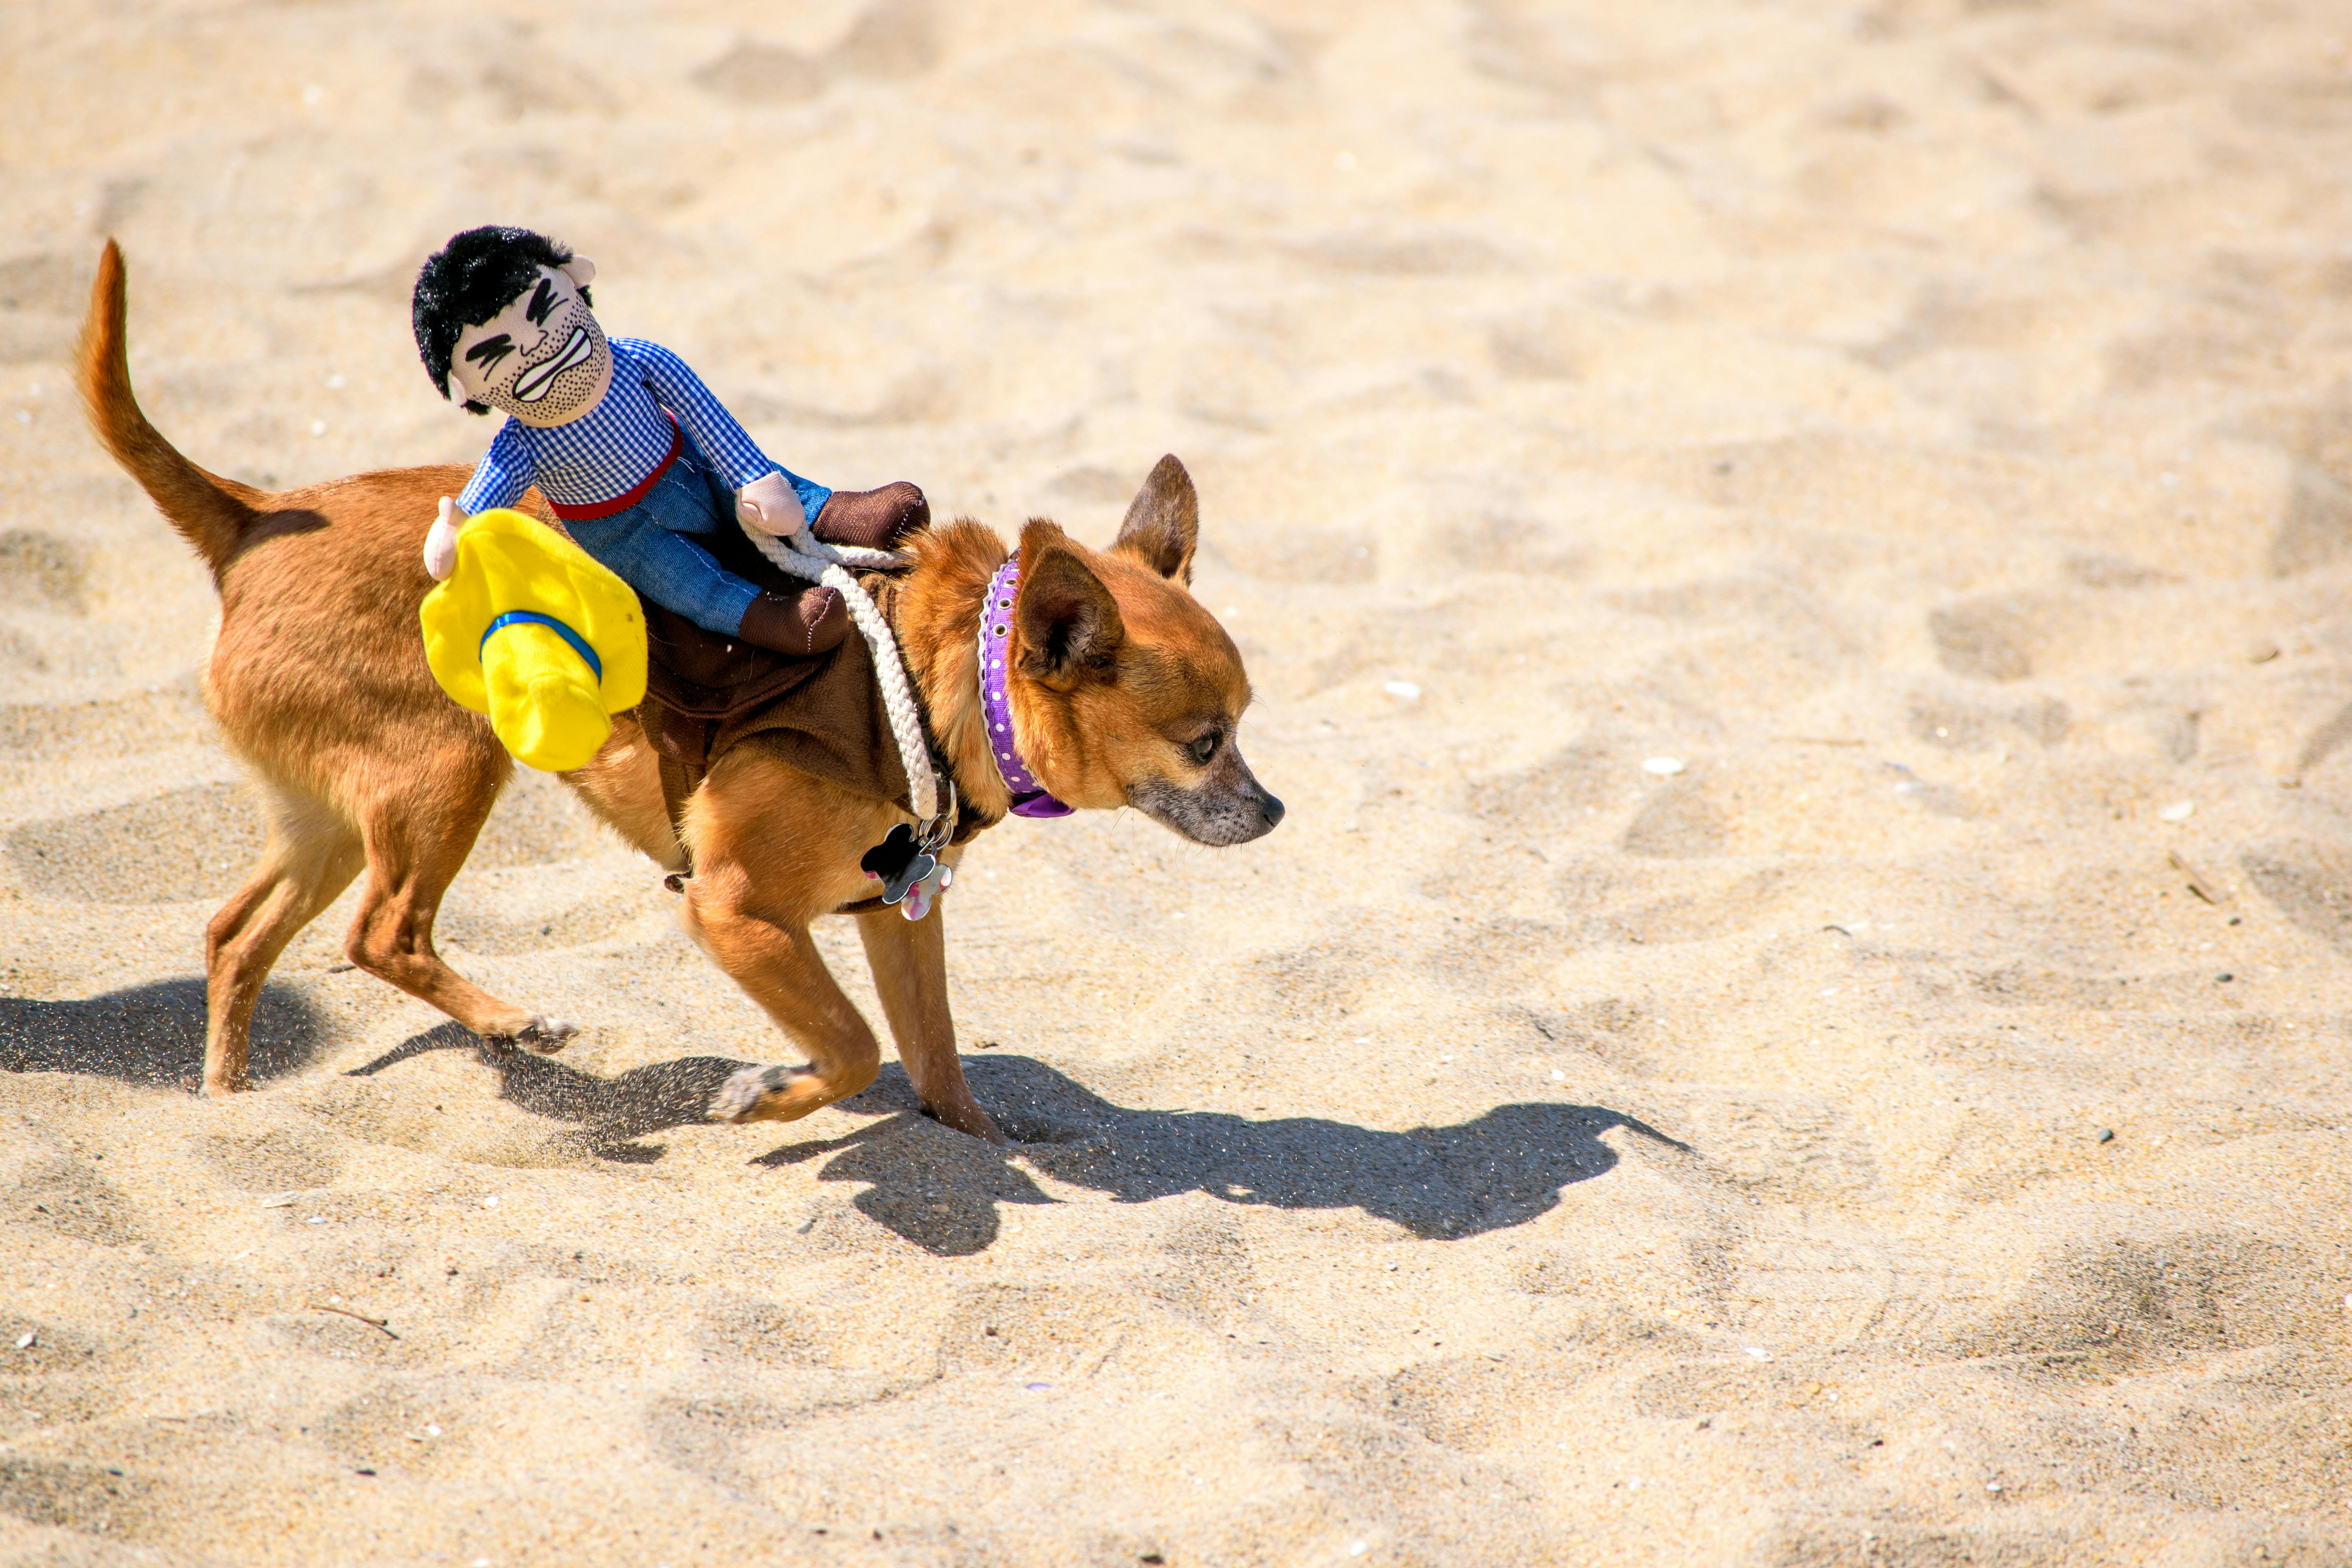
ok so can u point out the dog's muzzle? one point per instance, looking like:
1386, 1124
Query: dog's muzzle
1228, 808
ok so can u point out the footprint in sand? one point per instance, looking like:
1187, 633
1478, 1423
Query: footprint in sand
2310, 885
198, 842
41, 298
2314, 525
1992, 637
1679, 822
42, 571
892, 41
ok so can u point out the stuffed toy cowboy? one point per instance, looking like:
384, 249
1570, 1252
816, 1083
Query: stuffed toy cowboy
631, 451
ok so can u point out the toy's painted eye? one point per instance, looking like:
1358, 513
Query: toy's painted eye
542, 304
489, 351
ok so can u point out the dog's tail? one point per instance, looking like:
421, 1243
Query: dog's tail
212, 513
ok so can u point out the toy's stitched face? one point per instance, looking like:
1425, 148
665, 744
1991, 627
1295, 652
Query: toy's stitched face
542, 359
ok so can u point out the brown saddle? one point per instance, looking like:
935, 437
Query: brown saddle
707, 694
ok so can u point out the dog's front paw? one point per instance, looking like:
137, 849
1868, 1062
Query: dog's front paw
756, 1094
537, 1033
966, 1117
545, 1037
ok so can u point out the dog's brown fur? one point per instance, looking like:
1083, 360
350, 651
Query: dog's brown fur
319, 680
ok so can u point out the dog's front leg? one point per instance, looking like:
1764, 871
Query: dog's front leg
767, 860
909, 961
778, 966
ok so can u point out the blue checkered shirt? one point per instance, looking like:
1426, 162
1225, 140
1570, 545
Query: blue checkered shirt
611, 448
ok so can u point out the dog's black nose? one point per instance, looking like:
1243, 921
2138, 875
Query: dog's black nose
1269, 808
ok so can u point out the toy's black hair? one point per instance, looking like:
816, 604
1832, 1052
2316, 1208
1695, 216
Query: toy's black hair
474, 276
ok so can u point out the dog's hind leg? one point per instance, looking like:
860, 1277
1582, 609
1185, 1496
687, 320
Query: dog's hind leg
312, 855
418, 829
910, 961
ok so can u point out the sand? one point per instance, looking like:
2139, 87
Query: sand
1793, 559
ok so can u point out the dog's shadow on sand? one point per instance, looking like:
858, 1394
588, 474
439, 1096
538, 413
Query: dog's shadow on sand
942, 1191
152, 1035
612, 1114
1497, 1169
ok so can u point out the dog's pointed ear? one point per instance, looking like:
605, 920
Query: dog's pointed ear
1069, 623
1163, 522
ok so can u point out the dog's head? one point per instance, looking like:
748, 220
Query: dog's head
1134, 693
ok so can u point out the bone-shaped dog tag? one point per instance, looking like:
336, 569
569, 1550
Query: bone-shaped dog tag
899, 863
916, 873
926, 892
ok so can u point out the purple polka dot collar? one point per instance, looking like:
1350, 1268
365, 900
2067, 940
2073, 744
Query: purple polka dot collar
1029, 796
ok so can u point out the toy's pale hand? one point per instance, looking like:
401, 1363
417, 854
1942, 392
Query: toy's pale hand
441, 543
769, 504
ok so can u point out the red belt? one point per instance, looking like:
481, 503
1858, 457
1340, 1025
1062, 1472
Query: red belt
629, 497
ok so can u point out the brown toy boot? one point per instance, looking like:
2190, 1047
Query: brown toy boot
877, 520
805, 624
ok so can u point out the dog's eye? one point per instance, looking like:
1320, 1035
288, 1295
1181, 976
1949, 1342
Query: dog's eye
1201, 750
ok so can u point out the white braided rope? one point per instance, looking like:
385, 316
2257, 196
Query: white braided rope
818, 562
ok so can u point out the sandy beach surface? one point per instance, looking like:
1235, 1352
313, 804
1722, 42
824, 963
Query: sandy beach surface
1794, 562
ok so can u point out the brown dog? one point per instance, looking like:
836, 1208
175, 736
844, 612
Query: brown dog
1126, 693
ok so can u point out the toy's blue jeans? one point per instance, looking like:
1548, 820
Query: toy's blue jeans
652, 548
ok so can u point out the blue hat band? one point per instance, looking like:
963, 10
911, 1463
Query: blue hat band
533, 619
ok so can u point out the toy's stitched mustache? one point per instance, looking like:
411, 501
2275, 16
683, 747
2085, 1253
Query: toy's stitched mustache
533, 384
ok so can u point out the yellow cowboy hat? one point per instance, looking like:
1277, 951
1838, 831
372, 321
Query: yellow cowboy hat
531, 630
